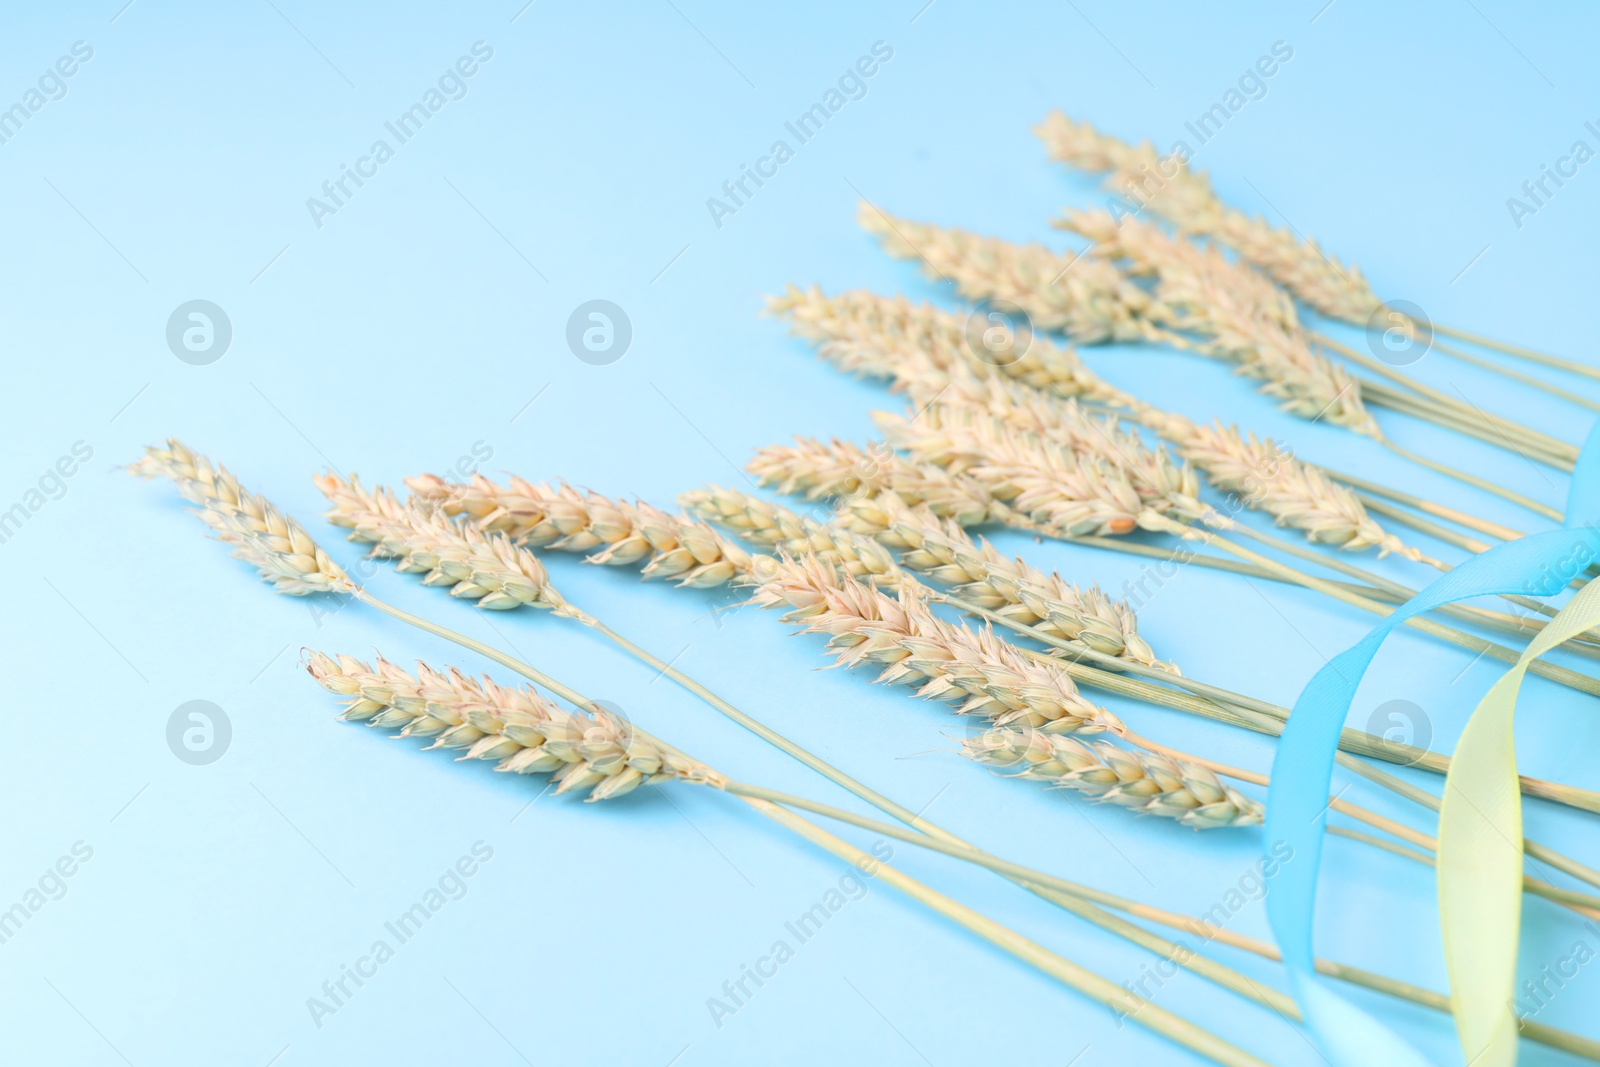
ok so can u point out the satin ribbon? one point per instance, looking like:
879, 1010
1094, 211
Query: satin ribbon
1480, 969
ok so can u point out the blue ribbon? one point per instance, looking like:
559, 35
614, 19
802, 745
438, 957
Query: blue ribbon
1297, 801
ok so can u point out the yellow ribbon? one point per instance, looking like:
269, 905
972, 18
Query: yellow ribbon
1480, 854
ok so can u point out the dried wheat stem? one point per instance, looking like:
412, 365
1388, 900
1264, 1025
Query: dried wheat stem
518, 728
1113, 996
1185, 199
989, 678
1569, 365
275, 544
609, 757
924, 351
1572, 679
1083, 619
1505, 429
1265, 949
447, 552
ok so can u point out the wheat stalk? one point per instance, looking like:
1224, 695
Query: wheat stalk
1234, 312
980, 575
1057, 489
863, 333
1088, 299
447, 552
922, 350
819, 470
566, 520
518, 728
1185, 199
983, 675
275, 544
1146, 783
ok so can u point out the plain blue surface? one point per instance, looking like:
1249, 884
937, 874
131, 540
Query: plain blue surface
415, 326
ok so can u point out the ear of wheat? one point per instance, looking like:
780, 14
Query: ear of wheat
1263, 473
1087, 298
1236, 314
1185, 198
818, 471
1143, 782
875, 336
565, 520
942, 550
986, 677
1065, 493
518, 728
276, 545
447, 552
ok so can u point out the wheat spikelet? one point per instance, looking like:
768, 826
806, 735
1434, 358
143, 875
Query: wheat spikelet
518, 728
818, 470
1237, 314
863, 333
1138, 172
485, 567
943, 551
1142, 782
1268, 477
983, 674
1089, 299
989, 678
1264, 475
276, 545
1261, 473
1185, 199
1013, 589
1065, 493
566, 520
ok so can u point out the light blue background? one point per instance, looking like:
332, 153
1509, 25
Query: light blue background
421, 320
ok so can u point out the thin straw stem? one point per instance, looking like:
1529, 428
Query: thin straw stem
1262, 717
1516, 625
1380, 983
1427, 507
1571, 366
1068, 973
1543, 510
1427, 526
1210, 969
1423, 409
1516, 376
1444, 400
1071, 974
1565, 676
